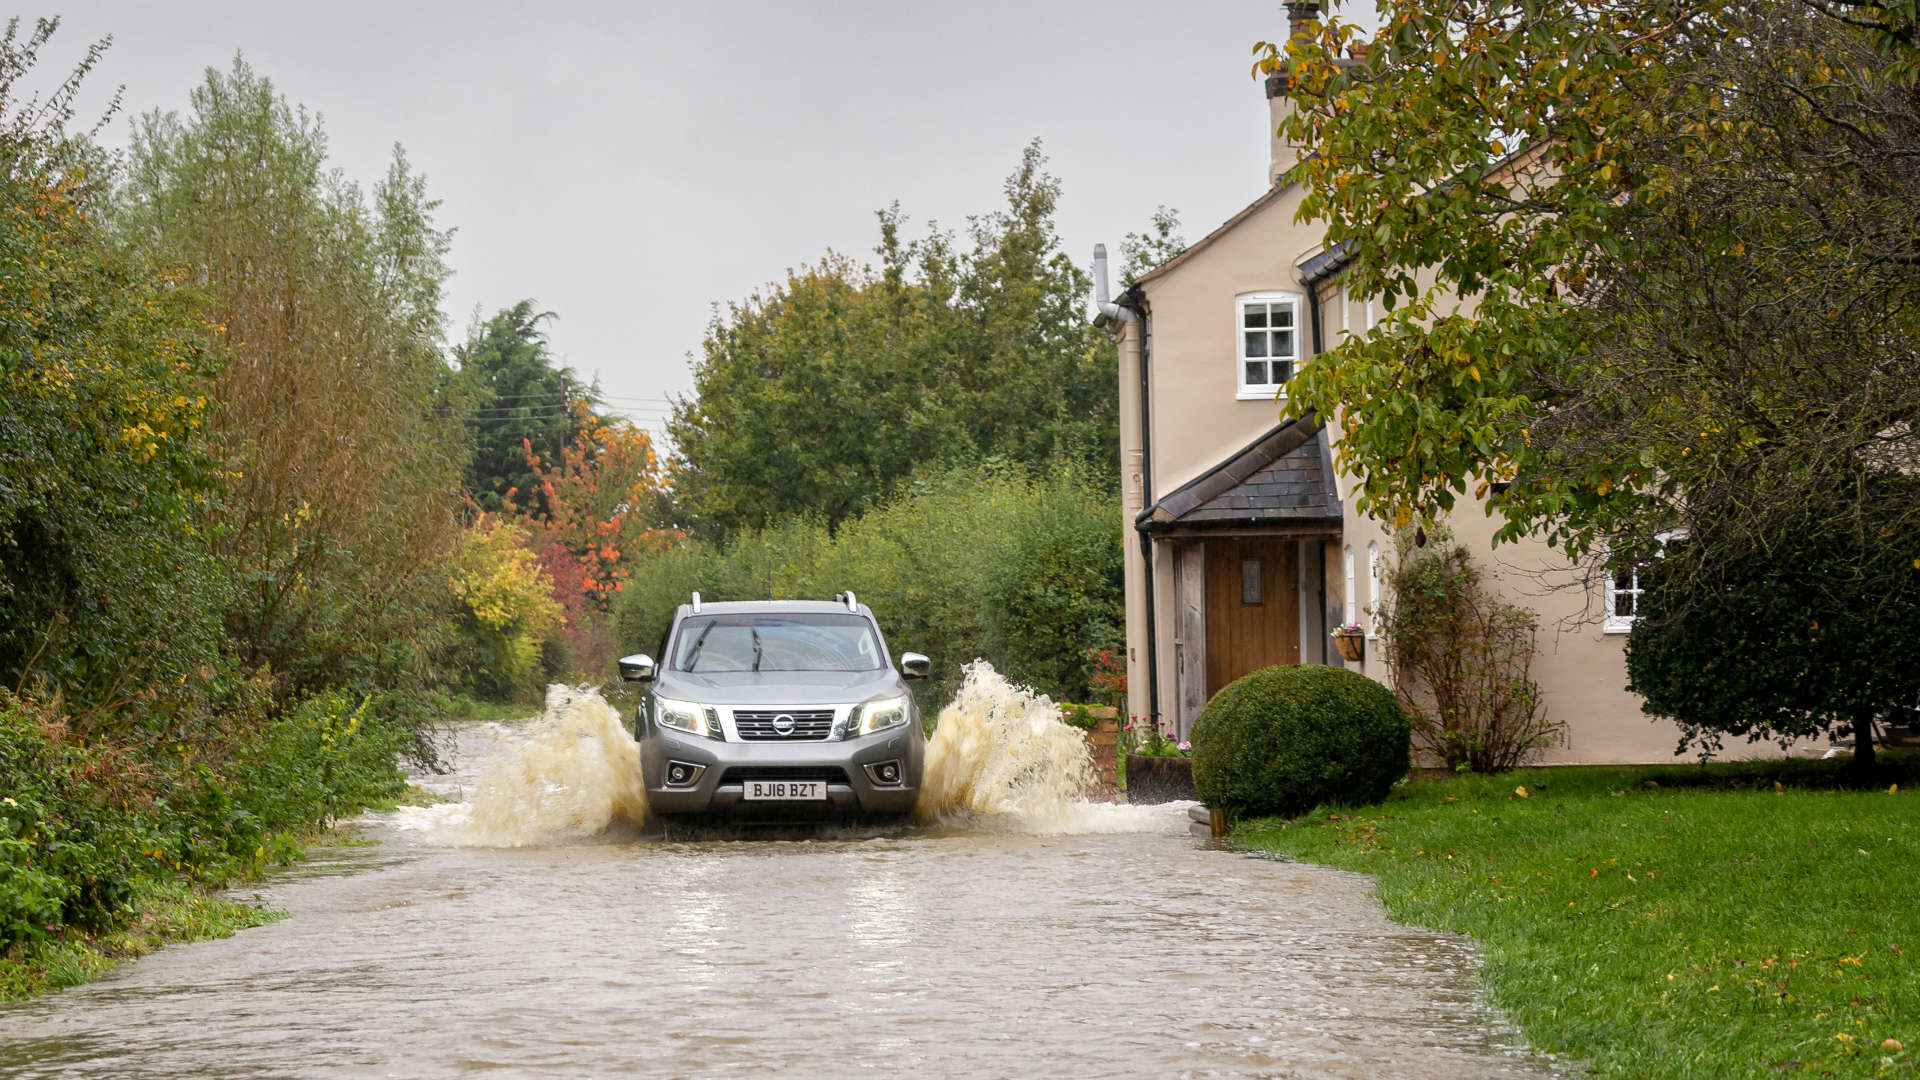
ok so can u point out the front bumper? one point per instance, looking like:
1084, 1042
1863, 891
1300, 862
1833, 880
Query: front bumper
720, 788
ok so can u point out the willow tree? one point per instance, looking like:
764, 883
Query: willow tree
344, 472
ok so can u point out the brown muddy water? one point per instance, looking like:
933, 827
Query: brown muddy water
1038, 937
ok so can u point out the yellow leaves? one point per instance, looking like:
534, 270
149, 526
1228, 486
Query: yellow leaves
502, 582
1521, 791
1605, 485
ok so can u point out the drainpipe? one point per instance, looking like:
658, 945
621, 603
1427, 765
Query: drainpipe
1123, 314
1312, 287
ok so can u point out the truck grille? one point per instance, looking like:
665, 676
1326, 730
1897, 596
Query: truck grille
740, 774
810, 724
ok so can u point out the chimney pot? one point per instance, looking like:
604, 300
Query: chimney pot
1301, 15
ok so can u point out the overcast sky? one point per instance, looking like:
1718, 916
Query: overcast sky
629, 165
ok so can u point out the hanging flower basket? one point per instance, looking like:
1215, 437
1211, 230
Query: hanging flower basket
1352, 643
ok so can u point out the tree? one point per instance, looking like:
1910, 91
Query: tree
514, 395
828, 391
604, 498
1160, 243
1650, 268
1574, 212
343, 465
1796, 639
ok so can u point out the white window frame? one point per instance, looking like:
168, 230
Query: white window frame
1611, 623
1267, 391
1352, 592
1621, 624
1373, 588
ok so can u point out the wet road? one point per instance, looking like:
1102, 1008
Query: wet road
1108, 944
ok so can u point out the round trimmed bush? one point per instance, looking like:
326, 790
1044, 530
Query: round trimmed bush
1286, 739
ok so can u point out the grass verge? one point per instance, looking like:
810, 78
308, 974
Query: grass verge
171, 911
1669, 922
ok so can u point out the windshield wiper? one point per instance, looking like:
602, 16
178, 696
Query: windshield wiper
693, 656
755, 631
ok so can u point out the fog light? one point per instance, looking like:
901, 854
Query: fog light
886, 772
680, 773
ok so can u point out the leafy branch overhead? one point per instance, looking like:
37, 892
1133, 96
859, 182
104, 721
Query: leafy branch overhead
1632, 253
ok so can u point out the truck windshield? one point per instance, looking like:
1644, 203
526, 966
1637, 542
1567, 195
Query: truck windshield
790, 642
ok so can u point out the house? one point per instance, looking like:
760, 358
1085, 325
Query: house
1243, 550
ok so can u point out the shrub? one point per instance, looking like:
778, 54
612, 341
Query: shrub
1286, 739
508, 613
1461, 660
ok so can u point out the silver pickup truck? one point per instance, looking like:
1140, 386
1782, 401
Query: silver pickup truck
778, 710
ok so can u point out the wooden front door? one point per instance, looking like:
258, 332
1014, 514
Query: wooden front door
1253, 607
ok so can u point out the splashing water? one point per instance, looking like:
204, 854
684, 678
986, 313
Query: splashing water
1000, 758
573, 773
1002, 749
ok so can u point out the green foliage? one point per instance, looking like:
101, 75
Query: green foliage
82, 827
225, 482
329, 756
107, 586
67, 855
1022, 572
1283, 740
1797, 639
840, 384
1461, 659
1666, 923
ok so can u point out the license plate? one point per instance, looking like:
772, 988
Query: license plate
786, 790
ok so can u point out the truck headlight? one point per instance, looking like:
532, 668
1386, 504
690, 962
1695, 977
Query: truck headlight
878, 715
687, 716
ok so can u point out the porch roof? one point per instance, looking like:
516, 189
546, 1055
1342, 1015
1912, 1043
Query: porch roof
1285, 477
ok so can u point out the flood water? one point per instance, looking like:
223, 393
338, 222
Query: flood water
1098, 941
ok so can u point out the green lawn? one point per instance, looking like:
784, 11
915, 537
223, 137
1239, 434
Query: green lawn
1674, 922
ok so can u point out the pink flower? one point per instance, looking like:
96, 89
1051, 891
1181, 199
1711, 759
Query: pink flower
1185, 744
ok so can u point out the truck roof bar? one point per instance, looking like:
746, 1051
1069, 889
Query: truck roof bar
852, 604
696, 603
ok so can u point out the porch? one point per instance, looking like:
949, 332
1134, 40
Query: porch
1251, 547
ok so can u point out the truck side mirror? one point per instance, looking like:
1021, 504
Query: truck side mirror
637, 668
914, 665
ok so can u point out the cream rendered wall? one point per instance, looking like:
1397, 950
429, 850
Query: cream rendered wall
1197, 420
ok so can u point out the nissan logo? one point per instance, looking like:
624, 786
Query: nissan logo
783, 723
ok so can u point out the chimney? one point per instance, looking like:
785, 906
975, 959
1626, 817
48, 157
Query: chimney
1303, 20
